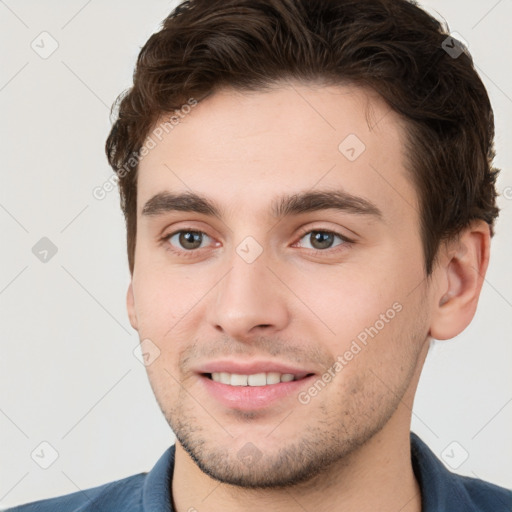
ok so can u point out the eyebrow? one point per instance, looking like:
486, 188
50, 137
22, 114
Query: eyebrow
286, 205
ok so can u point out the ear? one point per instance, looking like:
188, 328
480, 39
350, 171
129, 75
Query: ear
130, 306
460, 272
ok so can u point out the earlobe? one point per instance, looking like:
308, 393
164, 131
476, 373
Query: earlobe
130, 306
461, 273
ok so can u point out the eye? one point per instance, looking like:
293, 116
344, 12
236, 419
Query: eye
321, 240
187, 239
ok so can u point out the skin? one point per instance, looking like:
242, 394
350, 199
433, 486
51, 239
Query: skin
348, 448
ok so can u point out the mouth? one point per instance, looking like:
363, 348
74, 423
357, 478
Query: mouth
254, 391
254, 379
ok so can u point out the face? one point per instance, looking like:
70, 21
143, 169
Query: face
278, 282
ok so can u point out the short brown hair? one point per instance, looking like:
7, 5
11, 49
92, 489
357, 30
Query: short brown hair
391, 46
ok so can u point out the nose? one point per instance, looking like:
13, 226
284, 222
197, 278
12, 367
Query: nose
249, 301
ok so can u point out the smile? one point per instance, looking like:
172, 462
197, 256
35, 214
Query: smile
255, 379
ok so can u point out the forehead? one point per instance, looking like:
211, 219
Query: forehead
246, 148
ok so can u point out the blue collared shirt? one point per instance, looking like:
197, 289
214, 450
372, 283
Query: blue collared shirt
441, 490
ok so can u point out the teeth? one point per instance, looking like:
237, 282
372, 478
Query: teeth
224, 377
256, 379
273, 378
238, 380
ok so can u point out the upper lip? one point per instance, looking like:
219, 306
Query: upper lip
250, 368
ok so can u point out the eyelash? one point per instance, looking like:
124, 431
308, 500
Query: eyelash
346, 242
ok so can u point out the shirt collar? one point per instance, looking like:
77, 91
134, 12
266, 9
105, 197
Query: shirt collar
156, 493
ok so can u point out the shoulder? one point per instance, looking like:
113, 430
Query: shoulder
125, 494
149, 492
486, 496
445, 491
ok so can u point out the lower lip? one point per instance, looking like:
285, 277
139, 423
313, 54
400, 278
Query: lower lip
253, 397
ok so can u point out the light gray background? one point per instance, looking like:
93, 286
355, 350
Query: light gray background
68, 374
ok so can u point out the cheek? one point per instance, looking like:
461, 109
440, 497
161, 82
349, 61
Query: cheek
377, 363
372, 316
162, 299
169, 306
348, 299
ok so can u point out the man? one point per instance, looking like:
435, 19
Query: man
309, 197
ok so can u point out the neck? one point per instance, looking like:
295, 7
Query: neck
376, 476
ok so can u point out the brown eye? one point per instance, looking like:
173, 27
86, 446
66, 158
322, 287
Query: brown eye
320, 240
187, 239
